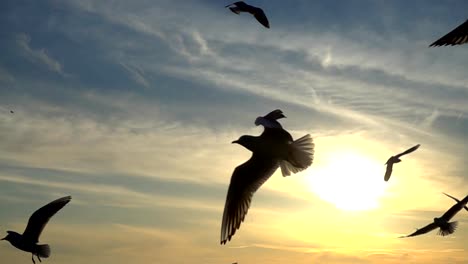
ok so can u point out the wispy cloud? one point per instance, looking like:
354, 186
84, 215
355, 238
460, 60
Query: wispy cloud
38, 55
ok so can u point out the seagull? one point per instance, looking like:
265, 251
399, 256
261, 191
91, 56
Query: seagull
396, 159
258, 13
269, 120
457, 36
274, 148
446, 227
30, 237
466, 208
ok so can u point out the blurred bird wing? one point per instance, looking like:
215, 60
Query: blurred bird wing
423, 230
388, 171
457, 36
269, 120
245, 180
466, 208
261, 17
455, 209
39, 219
408, 151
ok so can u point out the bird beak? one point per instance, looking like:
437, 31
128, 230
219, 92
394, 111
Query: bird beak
235, 141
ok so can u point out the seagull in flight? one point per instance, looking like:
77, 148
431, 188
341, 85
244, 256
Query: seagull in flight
396, 159
466, 208
457, 36
30, 237
274, 148
258, 13
446, 227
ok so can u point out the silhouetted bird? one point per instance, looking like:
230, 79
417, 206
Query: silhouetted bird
446, 227
457, 36
30, 237
11, 112
396, 159
269, 120
466, 208
258, 13
275, 147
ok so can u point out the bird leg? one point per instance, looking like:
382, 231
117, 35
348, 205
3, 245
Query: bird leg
32, 257
39, 258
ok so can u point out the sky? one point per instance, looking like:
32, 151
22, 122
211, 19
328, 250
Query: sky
130, 107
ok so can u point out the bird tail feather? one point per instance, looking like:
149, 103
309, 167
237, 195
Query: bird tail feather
300, 156
43, 251
449, 230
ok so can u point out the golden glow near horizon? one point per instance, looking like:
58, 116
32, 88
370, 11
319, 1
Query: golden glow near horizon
349, 180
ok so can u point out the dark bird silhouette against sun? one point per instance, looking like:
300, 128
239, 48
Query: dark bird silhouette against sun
466, 208
457, 36
274, 148
30, 237
258, 13
396, 159
446, 227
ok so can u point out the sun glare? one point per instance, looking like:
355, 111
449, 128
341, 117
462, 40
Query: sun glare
349, 180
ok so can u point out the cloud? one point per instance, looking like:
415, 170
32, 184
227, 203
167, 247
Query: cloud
40, 55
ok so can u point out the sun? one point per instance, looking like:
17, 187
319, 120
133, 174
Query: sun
349, 180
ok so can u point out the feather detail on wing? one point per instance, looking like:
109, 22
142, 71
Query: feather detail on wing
245, 181
457, 36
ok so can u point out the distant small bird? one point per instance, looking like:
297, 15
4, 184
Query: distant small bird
269, 120
466, 208
396, 159
457, 36
258, 13
274, 148
30, 237
11, 112
446, 227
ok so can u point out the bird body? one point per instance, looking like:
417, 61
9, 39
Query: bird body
258, 13
30, 237
396, 159
274, 148
457, 36
445, 227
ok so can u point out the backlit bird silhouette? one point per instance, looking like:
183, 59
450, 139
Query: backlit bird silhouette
466, 208
258, 13
457, 36
446, 227
396, 159
30, 237
274, 148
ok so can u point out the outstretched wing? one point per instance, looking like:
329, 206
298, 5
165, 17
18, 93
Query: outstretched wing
455, 209
388, 171
270, 119
245, 180
261, 17
408, 151
457, 36
423, 230
39, 219
466, 208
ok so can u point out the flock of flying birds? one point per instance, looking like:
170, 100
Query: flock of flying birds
274, 148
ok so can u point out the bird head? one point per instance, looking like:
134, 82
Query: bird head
9, 236
247, 141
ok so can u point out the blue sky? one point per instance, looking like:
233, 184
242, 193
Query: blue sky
130, 107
